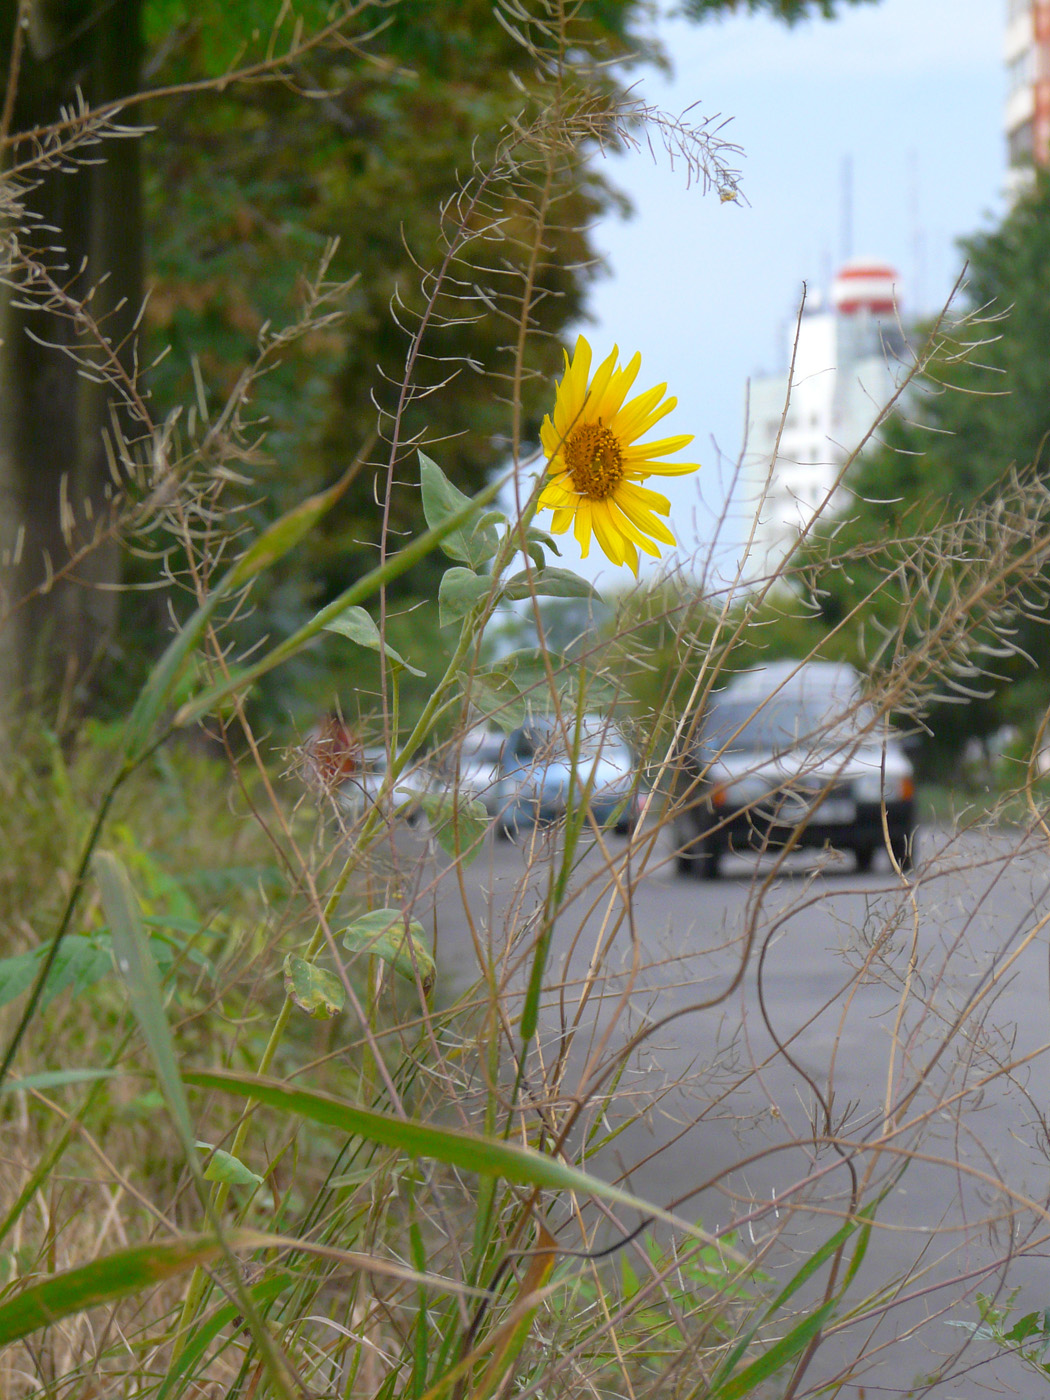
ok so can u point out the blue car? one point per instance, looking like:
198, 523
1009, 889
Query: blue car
538, 781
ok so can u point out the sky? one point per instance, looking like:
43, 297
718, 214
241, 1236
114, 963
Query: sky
908, 92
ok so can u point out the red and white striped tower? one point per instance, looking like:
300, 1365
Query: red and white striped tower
865, 285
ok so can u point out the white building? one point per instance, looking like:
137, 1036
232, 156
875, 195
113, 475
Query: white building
1026, 117
847, 364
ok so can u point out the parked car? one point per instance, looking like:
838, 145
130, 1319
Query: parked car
473, 767
791, 752
538, 778
359, 792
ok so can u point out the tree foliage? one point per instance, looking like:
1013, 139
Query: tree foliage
790, 11
973, 432
428, 130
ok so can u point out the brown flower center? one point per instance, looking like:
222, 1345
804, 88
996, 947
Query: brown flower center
594, 458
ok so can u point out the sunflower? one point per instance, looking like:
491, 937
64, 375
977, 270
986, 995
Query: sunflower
595, 463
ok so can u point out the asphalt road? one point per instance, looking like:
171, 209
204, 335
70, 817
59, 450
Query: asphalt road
908, 1022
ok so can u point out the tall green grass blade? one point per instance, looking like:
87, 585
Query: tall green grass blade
283, 535
453, 1146
136, 966
131, 947
861, 1247
810, 1267
775, 1358
794, 1283
56, 1079
102, 1281
205, 1334
835, 1242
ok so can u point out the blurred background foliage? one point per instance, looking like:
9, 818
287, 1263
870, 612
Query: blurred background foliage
368, 138
244, 189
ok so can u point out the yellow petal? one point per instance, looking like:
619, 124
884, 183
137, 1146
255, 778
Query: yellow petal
563, 517
607, 533
638, 471
642, 526
554, 497
583, 526
630, 557
663, 447
642, 496
638, 416
549, 438
602, 375
572, 390
580, 369
633, 417
608, 406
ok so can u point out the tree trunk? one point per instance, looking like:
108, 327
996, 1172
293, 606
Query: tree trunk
60, 432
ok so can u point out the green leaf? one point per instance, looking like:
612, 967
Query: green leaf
136, 966
17, 974
471, 543
102, 1281
359, 626
537, 536
458, 592
55, 1079
458, 826
548, 583
81, 961
224, 1166
497, 696
314, 990
382, 934
134, 963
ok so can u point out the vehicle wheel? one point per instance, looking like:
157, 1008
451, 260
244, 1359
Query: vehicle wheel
700, 861
864, 855
505, 832
905, 850
709, 862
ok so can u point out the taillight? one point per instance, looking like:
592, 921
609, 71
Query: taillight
907, 789
718, 797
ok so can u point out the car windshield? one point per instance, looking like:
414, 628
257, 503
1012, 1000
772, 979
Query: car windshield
782, 723
596, 741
